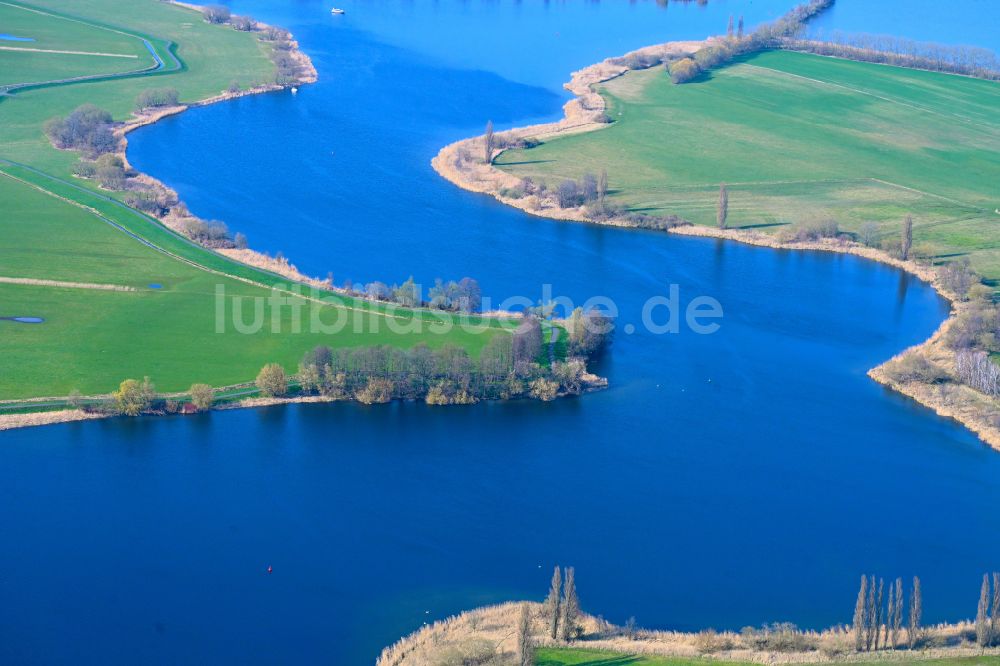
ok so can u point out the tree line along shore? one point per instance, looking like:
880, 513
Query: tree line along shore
97, 221
523, 365
887, 626
758, 180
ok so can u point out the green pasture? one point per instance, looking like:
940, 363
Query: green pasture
95, 49
795, 137
54, 226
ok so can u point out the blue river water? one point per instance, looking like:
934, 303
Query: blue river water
747, 476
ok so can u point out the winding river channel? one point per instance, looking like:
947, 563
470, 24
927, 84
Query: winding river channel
723, 480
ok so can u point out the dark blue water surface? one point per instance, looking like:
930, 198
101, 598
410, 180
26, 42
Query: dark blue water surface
723, 480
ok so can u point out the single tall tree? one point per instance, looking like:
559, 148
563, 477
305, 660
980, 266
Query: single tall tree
906, 242
602, 186
525, 648
729, 28
916, 611
995, 609
897, 615
860, 626
879, 611
739, 28
489, 143
983, 614
552, 603
722, 214
890, 613
870, 615
571, 606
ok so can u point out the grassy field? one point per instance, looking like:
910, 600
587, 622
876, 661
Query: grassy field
57, 227
796, 137
572, 657
95, 49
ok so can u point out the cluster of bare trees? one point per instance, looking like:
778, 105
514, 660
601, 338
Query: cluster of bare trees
878, 617
156, 97
87, 128
464, 295
562, 606
216, 13
768, 35
976, 369
988, 613
967, 60
572, 193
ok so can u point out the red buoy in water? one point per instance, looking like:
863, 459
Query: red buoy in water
269, 569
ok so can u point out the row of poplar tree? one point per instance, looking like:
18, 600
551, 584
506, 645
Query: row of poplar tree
878, 615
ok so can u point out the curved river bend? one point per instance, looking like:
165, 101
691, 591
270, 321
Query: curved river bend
723, 480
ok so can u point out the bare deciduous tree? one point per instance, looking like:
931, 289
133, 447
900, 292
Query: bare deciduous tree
489, 143
525, 649
916, 611
571, 606
860, 625
906, 242
983, 614
553, 602
897, 613
722, 212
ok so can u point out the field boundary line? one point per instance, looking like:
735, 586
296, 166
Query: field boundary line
189, 262
861, 91
40, 282
83, 53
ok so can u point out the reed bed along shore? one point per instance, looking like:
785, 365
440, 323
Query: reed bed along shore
491, 633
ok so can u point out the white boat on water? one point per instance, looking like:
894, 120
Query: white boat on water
337, 10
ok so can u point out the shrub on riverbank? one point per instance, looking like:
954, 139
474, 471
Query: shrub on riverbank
216, 13
133, 398
202, 396
915, 367
272, 381
87, 129
809, 230
156, 97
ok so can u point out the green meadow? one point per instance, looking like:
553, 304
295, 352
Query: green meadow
797, 137
57, 227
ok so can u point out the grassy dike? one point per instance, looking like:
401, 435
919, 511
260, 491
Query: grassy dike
56, 227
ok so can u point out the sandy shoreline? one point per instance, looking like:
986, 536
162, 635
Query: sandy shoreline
457, 163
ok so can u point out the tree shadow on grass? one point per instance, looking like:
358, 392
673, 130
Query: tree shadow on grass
762, 225
524, 162
624, 660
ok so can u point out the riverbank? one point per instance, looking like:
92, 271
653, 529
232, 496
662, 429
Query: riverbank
81, 226
459, 163
493, 631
